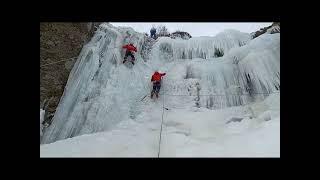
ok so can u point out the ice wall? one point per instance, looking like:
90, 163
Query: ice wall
243, 75
200, 47
42, 113
101, 91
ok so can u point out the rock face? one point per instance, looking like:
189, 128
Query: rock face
273, 28
59, 42
180, 34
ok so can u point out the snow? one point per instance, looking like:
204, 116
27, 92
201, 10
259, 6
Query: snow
101, 112
187, 132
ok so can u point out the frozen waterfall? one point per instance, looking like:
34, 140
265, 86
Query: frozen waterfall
229, 69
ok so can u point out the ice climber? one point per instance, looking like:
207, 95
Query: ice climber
129, 52
156, 79
153, 33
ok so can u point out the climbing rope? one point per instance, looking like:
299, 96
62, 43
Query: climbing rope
144, 97
72, 58
130, 38
218, 94
76, 57
161, 127
160, 135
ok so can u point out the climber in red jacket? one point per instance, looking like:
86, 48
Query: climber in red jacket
156, 79
130, 49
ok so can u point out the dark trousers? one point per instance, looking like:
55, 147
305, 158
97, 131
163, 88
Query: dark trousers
128, 53
153, 35
156, 87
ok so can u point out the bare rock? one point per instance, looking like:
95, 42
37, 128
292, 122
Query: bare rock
59, 41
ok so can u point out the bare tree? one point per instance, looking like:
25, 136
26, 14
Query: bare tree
162, 30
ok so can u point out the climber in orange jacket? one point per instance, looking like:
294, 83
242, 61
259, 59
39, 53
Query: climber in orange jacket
130, 49
156, 79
